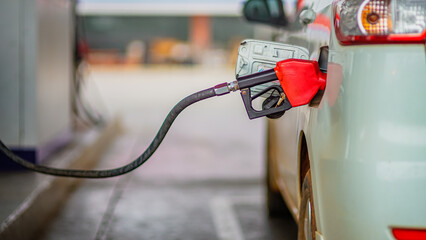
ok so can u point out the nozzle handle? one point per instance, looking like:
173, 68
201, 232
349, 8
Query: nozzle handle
255, 79
253, 113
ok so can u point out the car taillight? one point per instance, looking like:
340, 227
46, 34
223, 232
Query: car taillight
409, 234
380, 21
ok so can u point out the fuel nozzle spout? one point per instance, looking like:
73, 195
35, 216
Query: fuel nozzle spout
299, 81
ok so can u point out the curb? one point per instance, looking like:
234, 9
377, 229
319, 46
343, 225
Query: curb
41, 206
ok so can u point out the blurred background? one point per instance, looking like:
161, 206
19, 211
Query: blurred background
162, 32
86, 84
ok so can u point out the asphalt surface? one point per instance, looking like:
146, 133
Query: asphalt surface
204, 182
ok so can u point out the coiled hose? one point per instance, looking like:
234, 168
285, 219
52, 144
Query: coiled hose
176, 110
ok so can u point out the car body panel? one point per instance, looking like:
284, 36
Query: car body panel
293, 124
368, 145
366, 140
287, 166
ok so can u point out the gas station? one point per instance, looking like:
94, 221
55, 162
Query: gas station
228, 120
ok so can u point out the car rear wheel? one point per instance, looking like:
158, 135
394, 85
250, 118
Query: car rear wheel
276, 205
307, 224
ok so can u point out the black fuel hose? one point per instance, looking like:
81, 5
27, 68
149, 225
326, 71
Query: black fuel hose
177, 109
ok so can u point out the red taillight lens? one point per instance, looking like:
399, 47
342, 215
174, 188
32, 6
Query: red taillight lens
380, 21
409, 234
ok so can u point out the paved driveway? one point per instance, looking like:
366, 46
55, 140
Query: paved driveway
205, 180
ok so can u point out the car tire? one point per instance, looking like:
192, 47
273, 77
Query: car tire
307, 224
276, 206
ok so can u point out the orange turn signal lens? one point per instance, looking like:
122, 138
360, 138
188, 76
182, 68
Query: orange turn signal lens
374, 17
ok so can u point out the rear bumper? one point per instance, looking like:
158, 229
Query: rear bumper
368, 142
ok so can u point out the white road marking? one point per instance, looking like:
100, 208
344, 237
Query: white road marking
225, 220
224, 217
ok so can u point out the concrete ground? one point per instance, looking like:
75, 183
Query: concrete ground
204, 182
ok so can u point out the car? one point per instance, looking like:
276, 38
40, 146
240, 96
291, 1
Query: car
352, 163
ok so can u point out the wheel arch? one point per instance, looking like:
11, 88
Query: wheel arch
304, 162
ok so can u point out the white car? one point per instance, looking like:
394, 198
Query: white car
352, 164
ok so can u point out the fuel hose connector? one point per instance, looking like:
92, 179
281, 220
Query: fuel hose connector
225, 88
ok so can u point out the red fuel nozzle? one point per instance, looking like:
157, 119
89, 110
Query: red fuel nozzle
300, 80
